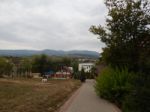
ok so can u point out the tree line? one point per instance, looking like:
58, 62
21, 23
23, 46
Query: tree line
24, 66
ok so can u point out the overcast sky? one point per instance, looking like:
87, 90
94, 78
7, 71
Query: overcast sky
50, 24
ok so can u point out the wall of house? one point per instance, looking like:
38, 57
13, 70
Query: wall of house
86, 66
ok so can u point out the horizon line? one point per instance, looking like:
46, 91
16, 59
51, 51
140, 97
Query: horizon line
50, 49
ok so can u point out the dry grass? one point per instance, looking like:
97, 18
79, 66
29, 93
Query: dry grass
34, 96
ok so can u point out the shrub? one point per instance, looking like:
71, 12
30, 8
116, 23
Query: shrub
138, 100
113, 84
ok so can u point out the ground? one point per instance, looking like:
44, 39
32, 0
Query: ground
34, 96
86, 100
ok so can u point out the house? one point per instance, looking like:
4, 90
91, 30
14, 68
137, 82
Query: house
86, 66
49, 74
64, 73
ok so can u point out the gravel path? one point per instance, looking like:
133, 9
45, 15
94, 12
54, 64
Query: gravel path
86, 100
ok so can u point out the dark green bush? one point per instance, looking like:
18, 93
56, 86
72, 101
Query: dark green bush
138, 100
113, 84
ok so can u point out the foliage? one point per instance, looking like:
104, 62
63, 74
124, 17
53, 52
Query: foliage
89, 75
93, 73
66, 61
74, 64
76, 75
43, 64
113, 84
127, 35
82, 75
6, 67
127, 40
23, 66
138, 100
2, 66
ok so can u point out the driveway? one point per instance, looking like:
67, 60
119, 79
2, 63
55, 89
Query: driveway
86, 100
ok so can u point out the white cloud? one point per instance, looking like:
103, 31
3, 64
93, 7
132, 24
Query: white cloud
50, 24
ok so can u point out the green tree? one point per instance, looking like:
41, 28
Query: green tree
75, 64
41, 64
127, 33
8, 68
26, 66
127, 40
82, 75
2, 66
93, 72
66, 61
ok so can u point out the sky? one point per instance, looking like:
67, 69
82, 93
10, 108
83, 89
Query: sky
50, 24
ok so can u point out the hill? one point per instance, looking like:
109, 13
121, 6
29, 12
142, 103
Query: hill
73, 53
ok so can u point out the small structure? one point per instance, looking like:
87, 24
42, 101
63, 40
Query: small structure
64, 73
86, 66
49, 74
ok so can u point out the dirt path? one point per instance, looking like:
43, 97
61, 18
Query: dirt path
86, 100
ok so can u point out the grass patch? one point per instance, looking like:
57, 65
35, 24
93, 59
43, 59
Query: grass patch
34, 96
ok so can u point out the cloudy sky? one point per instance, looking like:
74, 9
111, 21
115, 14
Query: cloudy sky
50, 24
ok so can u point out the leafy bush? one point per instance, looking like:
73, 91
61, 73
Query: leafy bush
5, 67
138, 100
113, 84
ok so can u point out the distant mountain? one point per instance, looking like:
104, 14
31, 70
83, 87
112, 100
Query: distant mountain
73, 53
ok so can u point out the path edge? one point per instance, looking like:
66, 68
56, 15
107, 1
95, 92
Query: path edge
66, 105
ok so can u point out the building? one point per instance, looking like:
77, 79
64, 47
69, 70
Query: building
86, 66
64, 73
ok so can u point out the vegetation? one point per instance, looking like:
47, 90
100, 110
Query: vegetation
82, 75
114, 84
32, 96
5, 67
24, 66
43, 63
138, 98
127, 35
127, 40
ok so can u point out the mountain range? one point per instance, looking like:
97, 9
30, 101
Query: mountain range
72, 53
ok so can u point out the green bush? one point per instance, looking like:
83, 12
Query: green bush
138, 100
113, 84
